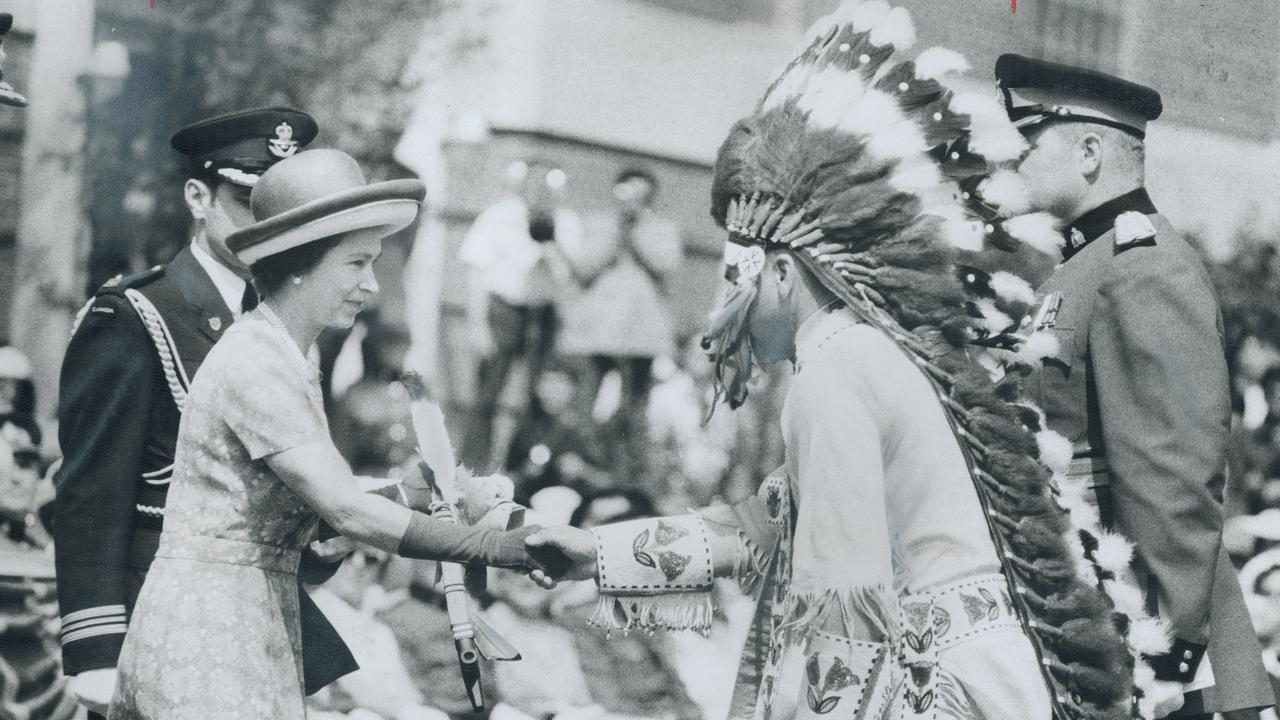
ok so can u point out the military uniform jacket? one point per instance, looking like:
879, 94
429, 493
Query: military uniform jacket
1140, 388
118, 425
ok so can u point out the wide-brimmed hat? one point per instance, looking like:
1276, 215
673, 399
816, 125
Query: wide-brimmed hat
318, 194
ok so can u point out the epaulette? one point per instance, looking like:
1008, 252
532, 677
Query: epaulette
115, 287
1133, 229
120, 283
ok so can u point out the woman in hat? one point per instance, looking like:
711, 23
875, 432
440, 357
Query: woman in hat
215, 629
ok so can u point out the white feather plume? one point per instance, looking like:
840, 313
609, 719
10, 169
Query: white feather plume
1145, 678
1126, 598
867, 15
1039, 230
1083, 515
1157, 693
964, 234
827, 95
1055, 451
874, 111
916, 177
896, 29
1037, 347
938, 61
939, 201
1006, 191
828, 85
820, 27
844, 12
899, 141
989, 361
993, 319
1113, 553
1149, 636
991, 133
1069, 492
1143, 674
1084, 568
788, 86
1012, 288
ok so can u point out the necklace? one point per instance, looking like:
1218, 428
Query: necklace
310, 370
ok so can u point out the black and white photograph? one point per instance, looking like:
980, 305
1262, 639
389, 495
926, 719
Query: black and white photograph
639, 359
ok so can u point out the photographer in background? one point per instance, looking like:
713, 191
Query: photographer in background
621, 320
514, 253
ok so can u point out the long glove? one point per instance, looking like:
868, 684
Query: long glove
430, 539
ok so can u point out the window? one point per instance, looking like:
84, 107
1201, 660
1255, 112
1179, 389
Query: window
1072, 33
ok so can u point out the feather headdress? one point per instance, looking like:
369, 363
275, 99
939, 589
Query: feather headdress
884, 183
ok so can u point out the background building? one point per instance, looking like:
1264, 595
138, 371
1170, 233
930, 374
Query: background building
595, 84
454, 91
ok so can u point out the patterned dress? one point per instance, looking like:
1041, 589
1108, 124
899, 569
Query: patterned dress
215, 630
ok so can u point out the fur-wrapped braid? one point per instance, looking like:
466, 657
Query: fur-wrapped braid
884, 162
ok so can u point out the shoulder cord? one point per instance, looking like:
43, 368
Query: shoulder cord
174, 374
84, 310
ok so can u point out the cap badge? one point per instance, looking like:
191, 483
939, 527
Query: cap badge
215, 323
283, 145
1133, 227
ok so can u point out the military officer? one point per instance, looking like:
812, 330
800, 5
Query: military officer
137, 345
1139, 385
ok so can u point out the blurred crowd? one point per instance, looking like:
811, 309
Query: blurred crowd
1247, 283
591, 401
598, 408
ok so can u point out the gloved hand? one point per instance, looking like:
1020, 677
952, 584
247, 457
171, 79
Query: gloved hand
563, 553
427, 538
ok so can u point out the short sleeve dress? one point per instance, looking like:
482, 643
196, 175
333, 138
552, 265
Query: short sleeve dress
215, 632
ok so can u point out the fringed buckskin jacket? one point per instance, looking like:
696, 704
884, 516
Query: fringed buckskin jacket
879, 589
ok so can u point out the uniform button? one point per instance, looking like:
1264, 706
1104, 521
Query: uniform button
1184, 668
1187, 654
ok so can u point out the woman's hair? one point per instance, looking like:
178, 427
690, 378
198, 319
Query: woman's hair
273, 271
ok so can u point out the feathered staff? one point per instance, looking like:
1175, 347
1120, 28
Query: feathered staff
885, 183
472, 637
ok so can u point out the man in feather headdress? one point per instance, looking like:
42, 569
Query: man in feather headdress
1140, 384
909, 559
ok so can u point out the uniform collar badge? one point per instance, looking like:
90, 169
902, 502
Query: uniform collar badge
283, 145
1046, 314
1133, 227
215, 323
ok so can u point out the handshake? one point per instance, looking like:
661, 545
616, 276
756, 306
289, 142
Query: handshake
548, 554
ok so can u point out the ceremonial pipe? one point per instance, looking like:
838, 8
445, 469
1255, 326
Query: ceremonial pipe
458, 607
438, 459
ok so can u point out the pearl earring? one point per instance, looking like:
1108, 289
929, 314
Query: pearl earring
297, 280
